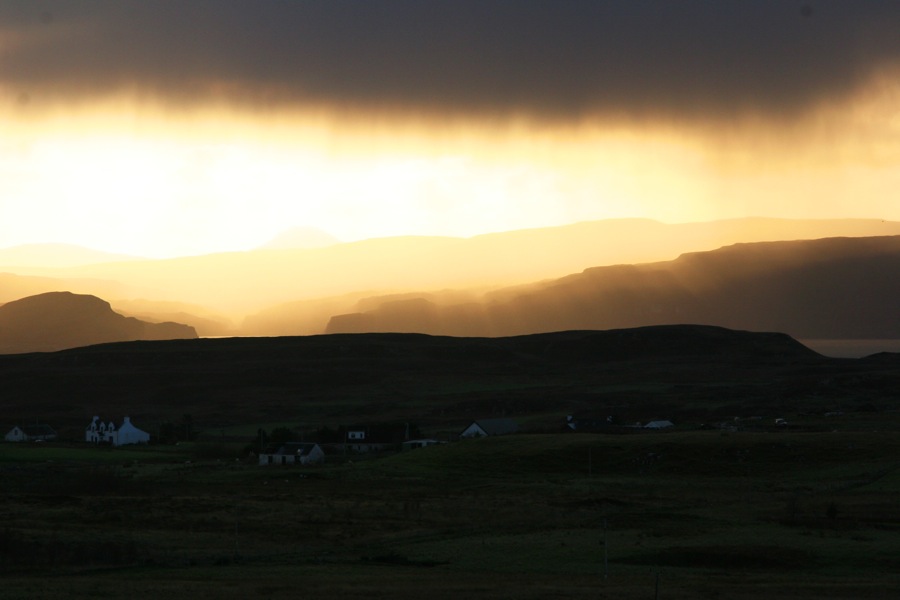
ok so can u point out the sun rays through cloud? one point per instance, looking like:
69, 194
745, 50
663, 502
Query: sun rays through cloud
130, 130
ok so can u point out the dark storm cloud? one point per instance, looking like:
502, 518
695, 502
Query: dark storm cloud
558, 58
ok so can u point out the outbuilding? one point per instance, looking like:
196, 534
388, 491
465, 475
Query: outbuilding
489, 427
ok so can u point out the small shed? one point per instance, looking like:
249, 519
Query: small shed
293, 453
16, 434
489, 427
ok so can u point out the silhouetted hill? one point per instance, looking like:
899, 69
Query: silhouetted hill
674, 372
302, 317
58, 320
240, 283
126, 301
663, 342
828, 288
204, 321
311, 317
15, 287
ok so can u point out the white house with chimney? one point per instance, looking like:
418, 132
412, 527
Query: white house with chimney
99, 432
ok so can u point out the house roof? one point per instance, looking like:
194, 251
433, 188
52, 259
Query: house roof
421, 441
38, 430
128, 427
497, 426
659, 424
100, 423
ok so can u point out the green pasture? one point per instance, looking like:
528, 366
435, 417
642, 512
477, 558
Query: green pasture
49, 452
701, 514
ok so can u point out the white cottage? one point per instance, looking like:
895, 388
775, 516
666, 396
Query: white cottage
129, 434
99, 432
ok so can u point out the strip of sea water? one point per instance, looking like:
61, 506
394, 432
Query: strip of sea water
852, 348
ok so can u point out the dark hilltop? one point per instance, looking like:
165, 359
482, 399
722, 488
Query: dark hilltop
685, 372
58, 320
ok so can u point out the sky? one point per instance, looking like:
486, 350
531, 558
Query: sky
172, 128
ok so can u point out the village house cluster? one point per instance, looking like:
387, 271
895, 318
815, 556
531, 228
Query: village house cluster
97, 432
363, 439
357, 439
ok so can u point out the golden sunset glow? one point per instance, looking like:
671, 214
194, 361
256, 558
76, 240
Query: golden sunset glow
142, 179
269, 153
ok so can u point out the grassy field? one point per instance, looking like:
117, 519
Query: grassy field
682, 515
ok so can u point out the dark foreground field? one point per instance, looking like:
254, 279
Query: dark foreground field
807, 510
698, 514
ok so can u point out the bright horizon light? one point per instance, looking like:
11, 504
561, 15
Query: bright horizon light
127, 178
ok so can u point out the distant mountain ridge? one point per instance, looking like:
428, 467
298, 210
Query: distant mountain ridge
240, 284
59, 320
827, 288
302, 237
15, 287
